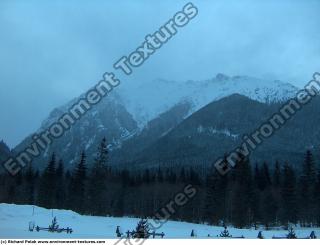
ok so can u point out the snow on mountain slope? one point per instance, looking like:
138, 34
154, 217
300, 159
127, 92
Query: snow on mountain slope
126, 111
14, 223
107, 119
150, 99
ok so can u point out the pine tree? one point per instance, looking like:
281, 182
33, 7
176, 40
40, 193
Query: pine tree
47, 186
291, 234
125, 179
60, 169
242, 196
268, 207
159, 175
210, 214
146, 176
182, 176
266, 175
98, 181
194, 178
256, 198
215, 199
257, 175
289, 196
142, 229
307, 183
225, 233
30, 185
276, 181
277, 175
78, 186
263, 176
60, 195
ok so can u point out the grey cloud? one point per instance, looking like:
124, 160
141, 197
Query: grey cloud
52, 51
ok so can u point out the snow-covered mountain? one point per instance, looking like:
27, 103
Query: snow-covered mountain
159, 105
107, 119
150, 99
219, 127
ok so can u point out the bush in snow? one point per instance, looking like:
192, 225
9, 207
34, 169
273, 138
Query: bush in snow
142, 229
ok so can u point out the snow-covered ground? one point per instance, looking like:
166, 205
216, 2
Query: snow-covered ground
14, 223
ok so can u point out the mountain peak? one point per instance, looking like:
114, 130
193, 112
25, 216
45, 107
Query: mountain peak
4, 147
152, 99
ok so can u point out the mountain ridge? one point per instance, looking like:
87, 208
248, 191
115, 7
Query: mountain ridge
218, 128
122, 115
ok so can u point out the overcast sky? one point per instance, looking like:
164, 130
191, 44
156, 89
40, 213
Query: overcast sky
52, 51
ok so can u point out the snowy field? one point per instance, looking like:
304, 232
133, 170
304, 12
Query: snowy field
14, 223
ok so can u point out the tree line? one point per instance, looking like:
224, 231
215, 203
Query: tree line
248, 196
253, 196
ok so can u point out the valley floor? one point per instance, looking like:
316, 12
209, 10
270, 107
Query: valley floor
14, 223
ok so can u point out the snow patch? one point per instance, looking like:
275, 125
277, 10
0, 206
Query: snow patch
212, 131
